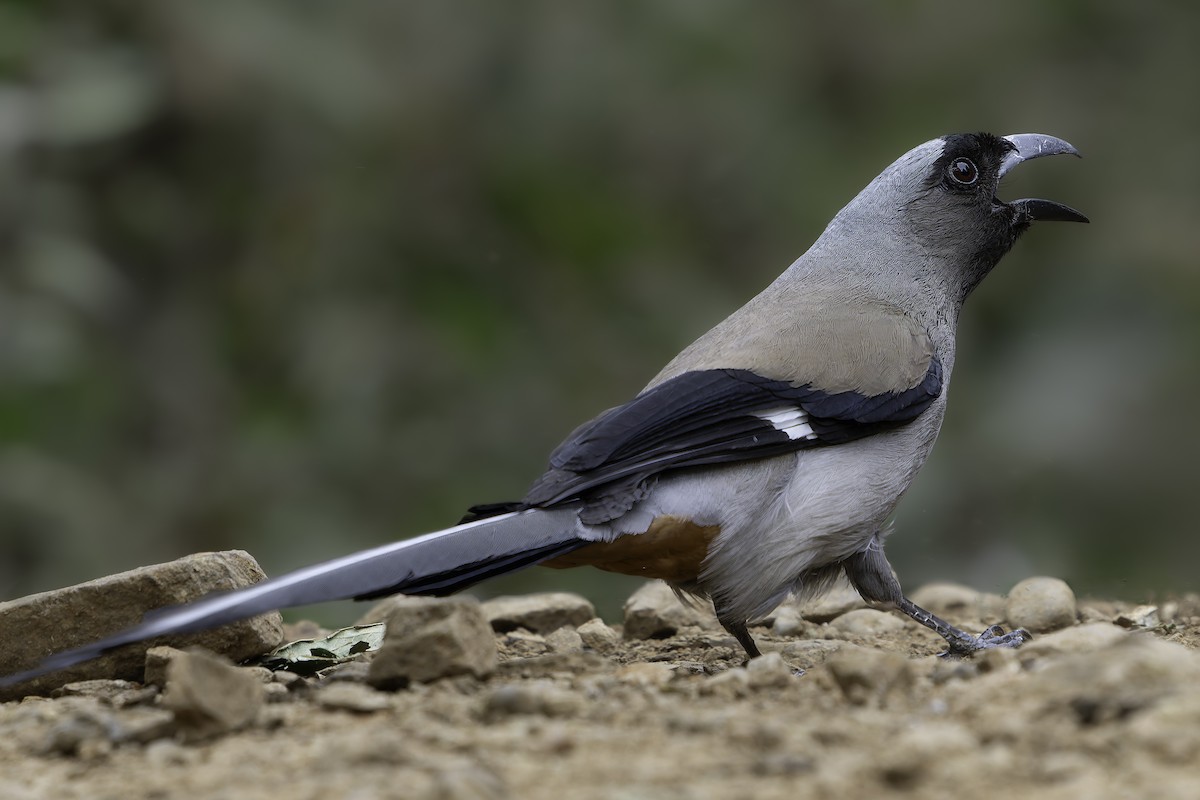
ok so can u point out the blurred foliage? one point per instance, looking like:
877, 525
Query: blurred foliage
303, 277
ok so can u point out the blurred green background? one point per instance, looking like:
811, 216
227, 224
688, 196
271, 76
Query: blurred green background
305, 277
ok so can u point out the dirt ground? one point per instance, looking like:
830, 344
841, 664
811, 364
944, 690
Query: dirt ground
1108, 707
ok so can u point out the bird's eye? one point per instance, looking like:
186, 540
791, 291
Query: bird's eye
963, 171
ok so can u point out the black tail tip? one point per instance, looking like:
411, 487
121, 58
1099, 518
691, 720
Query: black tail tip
486, 510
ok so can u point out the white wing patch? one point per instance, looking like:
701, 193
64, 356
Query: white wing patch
790, 420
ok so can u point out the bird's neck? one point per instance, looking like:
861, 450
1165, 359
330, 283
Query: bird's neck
882, 264
898, 258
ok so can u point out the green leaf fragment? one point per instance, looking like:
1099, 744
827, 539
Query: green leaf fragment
310, 656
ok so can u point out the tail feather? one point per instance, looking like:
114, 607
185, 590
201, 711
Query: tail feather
456, 580
437, 563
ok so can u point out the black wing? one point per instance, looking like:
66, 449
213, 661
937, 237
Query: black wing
710, 417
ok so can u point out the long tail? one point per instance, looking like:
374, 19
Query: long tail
437, 563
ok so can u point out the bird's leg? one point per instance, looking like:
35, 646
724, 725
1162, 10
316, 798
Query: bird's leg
741, 632
960, 642
873, 577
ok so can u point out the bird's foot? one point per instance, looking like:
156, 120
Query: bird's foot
962, 644
965, 644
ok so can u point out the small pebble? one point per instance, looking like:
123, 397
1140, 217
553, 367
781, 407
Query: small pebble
731, 683
535, 697
275, 693
769, 671
157, 660
209, 695
289, 679
540, 613
1140, 617
598, 636
1040, 605
870, 677
565, 640
1080, 639
646, 673
949, 600
430, 638
1170, 732
831, 604
788, 622
867, 622
352, 697
808, 653
169, 753
654, 612
523, 644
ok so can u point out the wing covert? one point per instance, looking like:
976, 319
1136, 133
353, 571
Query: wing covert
708, 417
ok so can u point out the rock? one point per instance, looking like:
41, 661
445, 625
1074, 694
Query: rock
1040, 605
949, 600
730, 684
869, 677
52, 621
991, 608
13, 791
521, 643
145, 725
275, 692
289, 680
1145, 616
115, 693
307, 629
994, 661
353, 671
784, 765
867, 622
914, 757
646, 673
535, 697
832, 604
809, 653
209, 695
464, 781
1170, 732
787, 621
559, 666
540, 613
70, 734
167, 753
654, 612
429, 638
91, 730
769, 671
260, 674
1138, 672
1089, 613
158, 663
598, 636
565, 640
157, 659
352, 697
1081, 639
960, 605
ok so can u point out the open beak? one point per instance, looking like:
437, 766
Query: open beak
1035, 145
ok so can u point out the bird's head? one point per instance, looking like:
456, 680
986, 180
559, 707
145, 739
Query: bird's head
962, 173
941, 199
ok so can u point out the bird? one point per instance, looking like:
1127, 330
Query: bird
765, 459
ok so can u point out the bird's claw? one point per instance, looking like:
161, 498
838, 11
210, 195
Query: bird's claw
993, 637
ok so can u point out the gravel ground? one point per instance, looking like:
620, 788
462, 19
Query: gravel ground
846, 702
